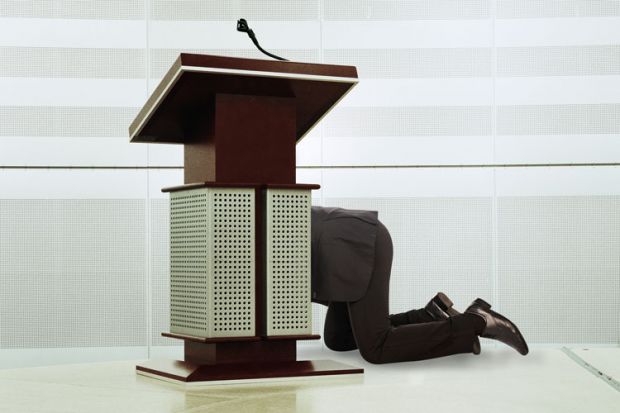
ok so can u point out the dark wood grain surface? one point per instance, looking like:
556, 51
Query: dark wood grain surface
174, 113
188, 372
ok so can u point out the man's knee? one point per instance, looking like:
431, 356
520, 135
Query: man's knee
339, 342
372, 356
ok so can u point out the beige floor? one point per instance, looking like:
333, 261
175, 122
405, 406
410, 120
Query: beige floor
499, 380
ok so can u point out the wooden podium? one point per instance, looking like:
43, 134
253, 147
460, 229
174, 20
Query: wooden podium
240, 224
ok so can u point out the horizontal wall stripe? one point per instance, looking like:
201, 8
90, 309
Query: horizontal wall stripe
405, 10
409, 121
371, 63
394, 34
413, 63
558, 119
407, 182
59, 33
65, 62
74, 9
406, 150
72, 92
66, 121
558, 61
584, 31
162, 59
68, 151
557, 90
568, 149
474, 120
185, 34
473, 91
558, 181
76, 184
233, 10
521, 9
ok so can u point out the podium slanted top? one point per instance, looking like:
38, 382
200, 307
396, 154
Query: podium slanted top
186, 94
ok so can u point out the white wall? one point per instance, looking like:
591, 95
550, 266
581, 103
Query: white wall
484, 132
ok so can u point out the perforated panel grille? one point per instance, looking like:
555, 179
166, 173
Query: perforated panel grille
188, 262
212, 262
233, 262
288, 262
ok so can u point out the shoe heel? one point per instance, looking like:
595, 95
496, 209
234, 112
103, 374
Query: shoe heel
482, 304
443, 301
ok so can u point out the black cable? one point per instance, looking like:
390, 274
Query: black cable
242, 26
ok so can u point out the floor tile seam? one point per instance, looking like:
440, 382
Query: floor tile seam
595, 371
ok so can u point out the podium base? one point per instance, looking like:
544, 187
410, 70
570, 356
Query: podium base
184, 372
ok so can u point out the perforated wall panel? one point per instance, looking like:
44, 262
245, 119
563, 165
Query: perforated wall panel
212, 262
72, 273
72, 62
560, 256
63, 121
289, 311
160, 272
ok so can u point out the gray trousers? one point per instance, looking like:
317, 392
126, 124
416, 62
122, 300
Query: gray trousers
366, 324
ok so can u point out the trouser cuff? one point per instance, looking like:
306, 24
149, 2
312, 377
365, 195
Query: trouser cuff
462, 325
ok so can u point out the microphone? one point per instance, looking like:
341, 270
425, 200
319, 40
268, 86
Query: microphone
242, 26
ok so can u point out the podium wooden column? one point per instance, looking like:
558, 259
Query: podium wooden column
240, 224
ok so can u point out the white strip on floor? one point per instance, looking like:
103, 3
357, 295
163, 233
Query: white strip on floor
605, 359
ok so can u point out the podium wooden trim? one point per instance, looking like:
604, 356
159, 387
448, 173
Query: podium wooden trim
238, 185
230, 339
187, 373
219, 65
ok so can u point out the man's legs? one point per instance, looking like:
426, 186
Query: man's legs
380, 342
337, 332
411, 317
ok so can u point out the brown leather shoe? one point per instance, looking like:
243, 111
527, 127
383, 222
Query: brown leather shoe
498, 327
440, 308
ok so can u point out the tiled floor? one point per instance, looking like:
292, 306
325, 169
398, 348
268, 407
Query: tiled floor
499, 380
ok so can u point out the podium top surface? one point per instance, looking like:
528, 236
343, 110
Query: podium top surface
194, 79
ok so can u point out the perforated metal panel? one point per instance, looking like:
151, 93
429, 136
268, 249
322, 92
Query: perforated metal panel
289, 310
212, 262
232, 243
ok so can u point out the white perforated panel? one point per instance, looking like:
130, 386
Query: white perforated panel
289, 311
188, 266
212, 262
232, 243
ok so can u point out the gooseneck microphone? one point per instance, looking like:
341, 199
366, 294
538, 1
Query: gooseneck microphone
242, 26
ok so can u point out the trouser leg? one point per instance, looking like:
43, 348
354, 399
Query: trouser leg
337, 332
411, 317
380, 342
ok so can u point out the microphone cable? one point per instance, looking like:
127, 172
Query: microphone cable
242, 26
